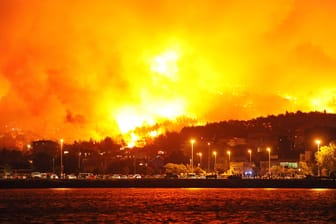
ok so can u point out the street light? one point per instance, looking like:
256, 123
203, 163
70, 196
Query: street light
229, 153
208, 156
215, 155
200, 158
250, 152
79, 161
62, 167
269, 159
192, 141
318, 142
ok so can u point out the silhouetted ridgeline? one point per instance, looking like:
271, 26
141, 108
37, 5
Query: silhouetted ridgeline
282, 124
294, 131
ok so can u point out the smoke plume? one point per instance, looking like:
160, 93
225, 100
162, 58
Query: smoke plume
81, 69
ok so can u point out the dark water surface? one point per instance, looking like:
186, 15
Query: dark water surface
172, 205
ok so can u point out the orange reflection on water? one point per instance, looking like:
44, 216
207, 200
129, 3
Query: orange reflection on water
320, 189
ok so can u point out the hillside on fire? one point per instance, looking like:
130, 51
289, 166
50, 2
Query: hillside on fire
288, 135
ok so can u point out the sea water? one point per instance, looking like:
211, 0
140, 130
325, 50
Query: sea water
167, 205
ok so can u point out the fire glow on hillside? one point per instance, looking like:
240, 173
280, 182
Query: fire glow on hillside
82, 69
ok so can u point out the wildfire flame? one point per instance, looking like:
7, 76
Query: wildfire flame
88, 70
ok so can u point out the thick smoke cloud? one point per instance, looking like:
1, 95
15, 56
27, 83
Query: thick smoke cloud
78, 68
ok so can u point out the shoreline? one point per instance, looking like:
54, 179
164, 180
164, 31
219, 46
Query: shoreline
168, 183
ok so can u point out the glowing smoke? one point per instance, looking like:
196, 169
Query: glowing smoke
81, 69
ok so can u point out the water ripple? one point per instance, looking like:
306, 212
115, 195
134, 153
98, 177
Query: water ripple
177, 205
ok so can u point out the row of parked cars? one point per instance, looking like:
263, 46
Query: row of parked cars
91, 176
39, 175
83, 176
36, 175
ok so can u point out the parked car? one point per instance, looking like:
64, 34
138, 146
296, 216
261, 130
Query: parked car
91, 176
36, 175
71, 176
192, 176
137, 176
211, 176
85, 175
53, 176
171, 176
115, 176
123, 177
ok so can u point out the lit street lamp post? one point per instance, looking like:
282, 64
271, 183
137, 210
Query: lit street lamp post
79, 162
200, 158
192, 141
208, 156
250, 152
215, 155
318, 142
229, 154
269, 160
62, 167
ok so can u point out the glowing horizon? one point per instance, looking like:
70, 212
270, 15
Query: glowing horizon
85, 70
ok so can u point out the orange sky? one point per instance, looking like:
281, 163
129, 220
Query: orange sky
81, 69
